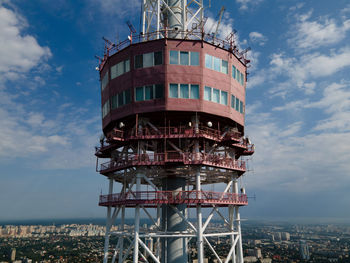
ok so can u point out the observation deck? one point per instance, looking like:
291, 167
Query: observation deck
190, 198
118, 138
170, 158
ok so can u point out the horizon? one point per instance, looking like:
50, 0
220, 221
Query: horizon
297, 114
255, 220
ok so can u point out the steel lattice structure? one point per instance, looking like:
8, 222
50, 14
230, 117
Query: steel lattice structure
166, 142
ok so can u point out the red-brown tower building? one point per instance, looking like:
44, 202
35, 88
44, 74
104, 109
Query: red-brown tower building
173, 118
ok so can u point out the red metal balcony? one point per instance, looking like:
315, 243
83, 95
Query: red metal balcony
119, 136
166, 132
191, 198
159, 159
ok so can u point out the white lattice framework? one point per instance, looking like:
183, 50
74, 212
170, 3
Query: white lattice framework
153, 12
134, 238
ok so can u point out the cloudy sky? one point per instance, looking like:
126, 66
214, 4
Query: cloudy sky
298, 104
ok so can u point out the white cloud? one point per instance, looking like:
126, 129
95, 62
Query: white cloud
19, 52
225, 27
117, 7
309, 88
60, 138
309, 35
302, 71
257, 37
293, 162
336, 99
244, 4
346, 9
321, 65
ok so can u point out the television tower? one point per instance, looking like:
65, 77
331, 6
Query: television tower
173, 100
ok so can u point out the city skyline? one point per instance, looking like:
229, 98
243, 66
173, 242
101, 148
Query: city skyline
298, 104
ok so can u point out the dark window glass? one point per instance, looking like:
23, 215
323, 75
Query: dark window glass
120, 99
233, 98
173, 91
224, 66
241, 106
194, 58
148, 60
138, 61
194, 91
104, 81
223, 99
127, 95
184, 93
159, 91
139, 94
149, 92
237, 104
174, 57
216, 95
158, 58
234, 72
114, 102
207, 93
242, 79
184, 58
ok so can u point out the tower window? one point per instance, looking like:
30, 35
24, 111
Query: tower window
184, 94
184, 91
194, 91
216, 64
184, 58
216, 95
207, 93
104, 81
149, 92
223, 98
149, 59
174, 57
173, 91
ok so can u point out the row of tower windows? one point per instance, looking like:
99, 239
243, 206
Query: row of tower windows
237, 75
120, 68
237, 104
184, 58
188, 58
149, 92
216, 64
104, 81
215, 95
121, 99
184, 91
149, 59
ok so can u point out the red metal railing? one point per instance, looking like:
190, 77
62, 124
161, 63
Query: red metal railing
128, 160
165, 132
173, 197
193, 34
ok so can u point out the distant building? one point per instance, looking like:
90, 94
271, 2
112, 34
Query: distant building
277, 236
304, 250
285, 236
13, 254
254, 252
266, 260
250, 259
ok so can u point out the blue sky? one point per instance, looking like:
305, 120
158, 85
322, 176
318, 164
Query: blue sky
297, 113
